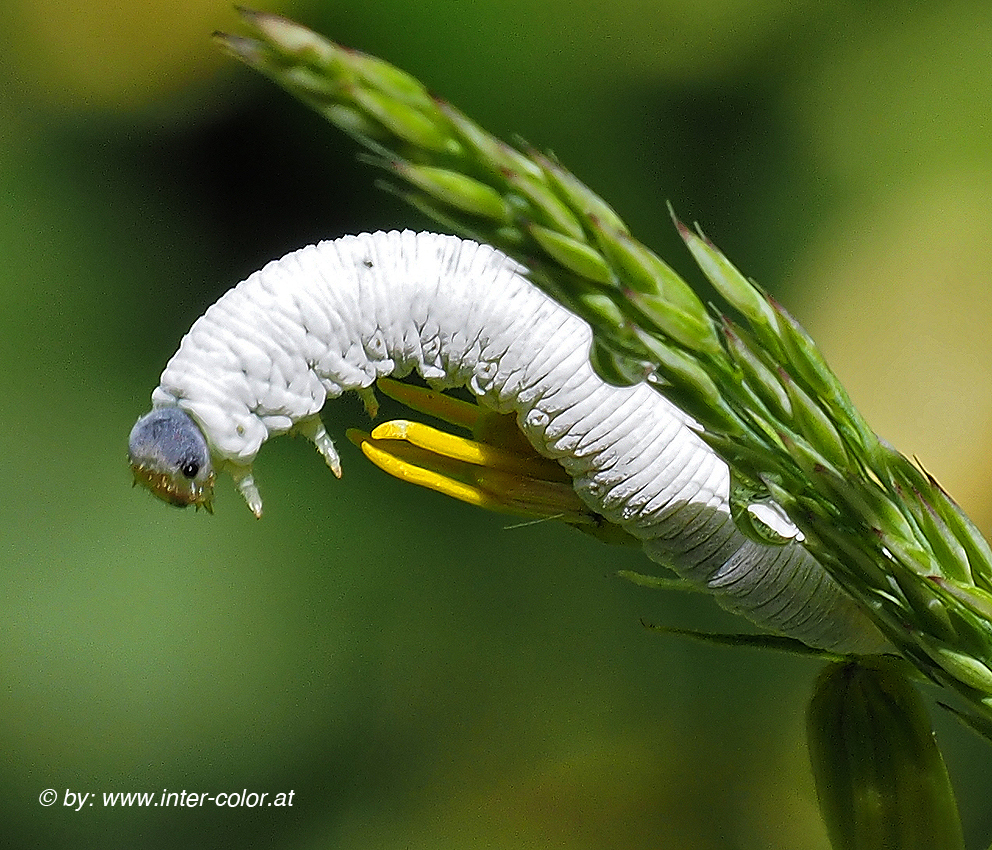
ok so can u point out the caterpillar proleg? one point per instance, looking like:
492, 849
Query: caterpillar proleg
337, 315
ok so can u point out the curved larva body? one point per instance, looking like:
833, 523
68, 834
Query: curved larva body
335, 316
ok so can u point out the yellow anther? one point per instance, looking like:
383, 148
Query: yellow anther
497, 469
535, 496
462, 469
390, 461
432, 402
499, 430
460, 448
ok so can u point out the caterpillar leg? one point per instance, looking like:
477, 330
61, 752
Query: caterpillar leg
313, 429
367, 395
244, 480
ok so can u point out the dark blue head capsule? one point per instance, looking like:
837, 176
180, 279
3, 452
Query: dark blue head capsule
170, 457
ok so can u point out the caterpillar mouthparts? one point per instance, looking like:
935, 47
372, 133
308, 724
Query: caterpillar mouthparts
170, 457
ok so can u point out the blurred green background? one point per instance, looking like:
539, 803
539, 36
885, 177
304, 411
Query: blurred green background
421, 674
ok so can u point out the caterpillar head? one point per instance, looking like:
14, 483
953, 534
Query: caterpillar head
170, 457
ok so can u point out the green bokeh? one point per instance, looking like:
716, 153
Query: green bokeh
419, 673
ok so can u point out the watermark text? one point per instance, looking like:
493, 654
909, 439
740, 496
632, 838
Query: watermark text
78, 800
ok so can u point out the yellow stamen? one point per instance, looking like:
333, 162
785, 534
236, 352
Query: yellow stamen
432, 403
458, 448
395, 458
497, 469
462, 469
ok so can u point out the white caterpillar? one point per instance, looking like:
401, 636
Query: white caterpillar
337, 315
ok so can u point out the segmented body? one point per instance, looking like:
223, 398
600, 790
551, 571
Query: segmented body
335, 316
